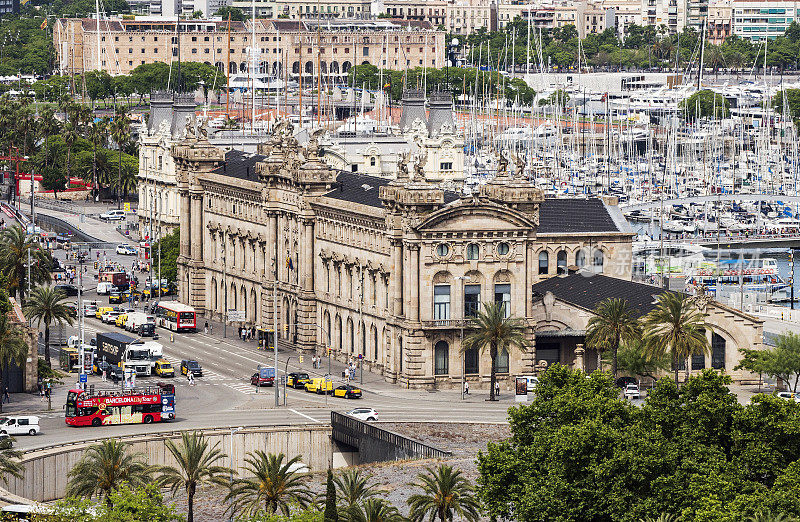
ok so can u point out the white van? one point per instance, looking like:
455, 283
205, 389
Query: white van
136, 319
104, 288
19, 425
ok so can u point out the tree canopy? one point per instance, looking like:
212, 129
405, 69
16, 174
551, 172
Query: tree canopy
579, 452
782, 362
705, 104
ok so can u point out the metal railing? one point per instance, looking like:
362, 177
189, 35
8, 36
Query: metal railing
446, 323
364, 436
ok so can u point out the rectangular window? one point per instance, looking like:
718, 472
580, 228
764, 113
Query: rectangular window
698, 362
471, 361
441, 302
502, 294
472, 299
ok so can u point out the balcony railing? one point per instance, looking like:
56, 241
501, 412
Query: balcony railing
446, 323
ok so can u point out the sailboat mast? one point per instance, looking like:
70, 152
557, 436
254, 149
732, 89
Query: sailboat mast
97, 15
254, 61
228, 93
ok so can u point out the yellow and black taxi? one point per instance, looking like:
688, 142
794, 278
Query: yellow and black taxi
164, 368
347, 391
116, 298
297, 380
120, 320
319, 385
189, 365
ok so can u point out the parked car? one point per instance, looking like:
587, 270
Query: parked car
297, 380
188, 365
67, 290
126, 250
347, 391
788, 395
632, 392
113, 215
363, 414
19, 425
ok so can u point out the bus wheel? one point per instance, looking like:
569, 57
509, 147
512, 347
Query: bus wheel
148, 419
96, 422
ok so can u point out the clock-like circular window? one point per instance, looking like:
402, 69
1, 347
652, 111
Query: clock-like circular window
503, 249
442, 250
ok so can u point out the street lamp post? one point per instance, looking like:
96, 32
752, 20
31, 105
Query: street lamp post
463, 280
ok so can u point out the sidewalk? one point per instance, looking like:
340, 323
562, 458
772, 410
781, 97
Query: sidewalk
372, 382
83, 219
32, 403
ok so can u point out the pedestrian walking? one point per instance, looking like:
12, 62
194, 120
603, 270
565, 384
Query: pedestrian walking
6, 397
190, 378
496, 389
211, 329
205, 328
104, 374
466, 387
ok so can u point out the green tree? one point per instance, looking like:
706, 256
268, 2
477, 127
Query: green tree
98, 85
676, 327
782, 362
128, 504
196, 465
98, 134
445, 494
170, 249
492, 328
53, 179
273, 486
705, 104
105, 467
374, 510
614, 322
235, 13
15, 247
121, 134
331, 514
353, 488
13, 349
10, 464
46, 307
633, 360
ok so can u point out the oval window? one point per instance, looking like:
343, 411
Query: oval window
442, 250
503, 249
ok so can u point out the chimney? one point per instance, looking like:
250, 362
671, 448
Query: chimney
413, 108
160, 110
182, 113
441, 105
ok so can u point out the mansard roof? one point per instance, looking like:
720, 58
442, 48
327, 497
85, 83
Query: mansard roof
240, 164
363, 189
588, 290
573, 215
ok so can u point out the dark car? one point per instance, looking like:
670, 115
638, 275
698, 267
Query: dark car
347, 391
297, 380
68, 290
623, 382
72, 309
191, 366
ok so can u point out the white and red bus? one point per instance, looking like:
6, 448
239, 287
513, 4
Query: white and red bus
175, 316
133, 406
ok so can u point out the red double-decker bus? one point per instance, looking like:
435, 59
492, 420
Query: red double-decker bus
133, 406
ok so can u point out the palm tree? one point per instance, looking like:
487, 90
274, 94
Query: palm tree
663, 517
352, 487
46, 306
676, 327
768, 516
493, 329
10, 464
374, 510
48, 126
13, 348
15, 246
121, 133
445, 493
196, 466
97, 134
104, 467
614, 322
273, 487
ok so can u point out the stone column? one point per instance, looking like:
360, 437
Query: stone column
197, 227
306, 303
580, 363
413, 283
307, 257
396, 293
185, 223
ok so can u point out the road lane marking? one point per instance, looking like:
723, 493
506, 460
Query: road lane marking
306, 416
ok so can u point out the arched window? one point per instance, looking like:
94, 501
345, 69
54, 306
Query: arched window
501, 363
441, 357
597, 260
375, 342
372, 161
580, 258
473, 251
400, 346
561, 261
352, 345
544, 262
717, 351
363, 340
339, 335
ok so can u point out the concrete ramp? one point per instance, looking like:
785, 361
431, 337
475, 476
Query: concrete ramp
375, 444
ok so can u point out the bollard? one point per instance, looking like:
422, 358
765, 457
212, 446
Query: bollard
172, 337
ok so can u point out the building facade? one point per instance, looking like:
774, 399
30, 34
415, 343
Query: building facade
670, 13
761, 20
387, 270
720, 20
467, 16
282, 47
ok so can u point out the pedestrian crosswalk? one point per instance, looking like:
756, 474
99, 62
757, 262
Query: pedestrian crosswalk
212, 378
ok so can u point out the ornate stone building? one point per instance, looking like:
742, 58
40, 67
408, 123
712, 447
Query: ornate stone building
384, 269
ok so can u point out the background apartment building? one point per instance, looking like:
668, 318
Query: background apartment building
281, 45
669, 13
757, 20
